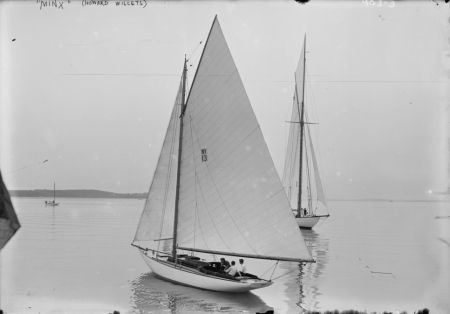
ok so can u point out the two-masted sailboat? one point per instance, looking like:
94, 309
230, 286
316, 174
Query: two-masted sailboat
301, 178
52, 202
215, 191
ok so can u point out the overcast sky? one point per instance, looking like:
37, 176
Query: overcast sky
91, 88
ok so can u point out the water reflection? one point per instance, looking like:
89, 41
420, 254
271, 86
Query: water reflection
151, 294
303, 280
310, 273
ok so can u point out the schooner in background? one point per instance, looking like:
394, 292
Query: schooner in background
301, 178
215, 190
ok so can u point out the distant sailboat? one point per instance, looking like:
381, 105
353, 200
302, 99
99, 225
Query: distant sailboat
53, 202
301, 178
215, 190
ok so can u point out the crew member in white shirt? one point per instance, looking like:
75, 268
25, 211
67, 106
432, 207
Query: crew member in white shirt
241, 267
232, 270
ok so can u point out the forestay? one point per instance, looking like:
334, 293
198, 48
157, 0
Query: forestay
231, 198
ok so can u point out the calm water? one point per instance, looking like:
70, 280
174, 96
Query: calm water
374, 256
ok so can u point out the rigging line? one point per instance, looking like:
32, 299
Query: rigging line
195, 49
276, 264
25, 167
170, 166
286, 273
308, 166
212, 220
148, 194
293, 153
308, 175
174, 122
314, 111
220, 195
147, 200
267, 270
203, 196
200, 226
287, 173
195, 184
296, 151
289, 147
296, 134
316, 171
314, 163
144, 214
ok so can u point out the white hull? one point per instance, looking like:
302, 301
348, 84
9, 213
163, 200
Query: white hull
191, 277
307, 222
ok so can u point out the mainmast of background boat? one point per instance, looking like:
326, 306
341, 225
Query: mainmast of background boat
180, 147
302, 125
54, 193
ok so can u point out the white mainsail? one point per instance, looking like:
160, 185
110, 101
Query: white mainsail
313, 196
156, 223
231, 198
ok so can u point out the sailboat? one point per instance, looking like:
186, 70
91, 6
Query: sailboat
301, 177
215, 191
52, 202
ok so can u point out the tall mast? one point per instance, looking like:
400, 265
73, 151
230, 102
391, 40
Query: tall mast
180, 146
53, 192
302, 125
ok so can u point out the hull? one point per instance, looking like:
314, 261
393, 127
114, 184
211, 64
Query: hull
191, 277
307, 222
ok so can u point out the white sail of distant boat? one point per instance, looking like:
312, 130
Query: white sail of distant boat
215, 191
301, 178
52, 202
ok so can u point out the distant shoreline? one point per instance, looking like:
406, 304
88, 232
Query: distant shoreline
75, 194
105, 194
